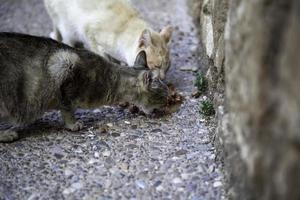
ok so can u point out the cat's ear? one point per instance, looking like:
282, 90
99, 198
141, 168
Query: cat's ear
166, 33
145, 39
141, 61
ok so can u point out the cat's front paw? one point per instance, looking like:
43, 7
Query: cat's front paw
8, 136
77, 126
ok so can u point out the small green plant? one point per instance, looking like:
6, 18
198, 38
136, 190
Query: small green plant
201, 83
207, 108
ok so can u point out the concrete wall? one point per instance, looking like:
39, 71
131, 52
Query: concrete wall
254, 76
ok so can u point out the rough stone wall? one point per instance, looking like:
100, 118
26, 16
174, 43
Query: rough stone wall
255, 45
212, 21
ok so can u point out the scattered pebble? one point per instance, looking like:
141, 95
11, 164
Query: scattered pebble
91, 135
141, 184
96, 155
78, 151
157, 130
110, 125
217, 184
97, 111
189, 68
72, 188
176, 180
124, 166
92, 161
211, 169
157, 183
181, 152
132, 146
115, 134
203, 120
196, 94
212, 157
160, 188
181, 33
106, 153
68, 172
185, 176
77, 185
102, 130
193, 48
134, 126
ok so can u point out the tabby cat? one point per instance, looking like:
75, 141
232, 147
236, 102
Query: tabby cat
38, 74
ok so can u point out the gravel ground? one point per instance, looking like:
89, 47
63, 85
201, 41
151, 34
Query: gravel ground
138, 157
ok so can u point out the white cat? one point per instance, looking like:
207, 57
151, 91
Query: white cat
111, 27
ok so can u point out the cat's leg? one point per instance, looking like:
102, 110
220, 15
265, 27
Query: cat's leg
8, 135
72, 42
61, 34
55, 34
70, 121
70, 38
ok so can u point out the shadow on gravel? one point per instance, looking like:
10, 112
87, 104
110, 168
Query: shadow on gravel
51, 122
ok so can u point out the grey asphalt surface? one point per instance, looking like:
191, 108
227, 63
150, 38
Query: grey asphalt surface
138, 157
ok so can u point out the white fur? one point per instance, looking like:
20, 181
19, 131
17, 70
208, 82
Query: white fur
95, 23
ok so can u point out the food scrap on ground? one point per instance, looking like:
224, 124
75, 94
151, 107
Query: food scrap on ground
174, 98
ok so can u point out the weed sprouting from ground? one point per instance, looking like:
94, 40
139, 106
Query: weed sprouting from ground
201, 83
207, 108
